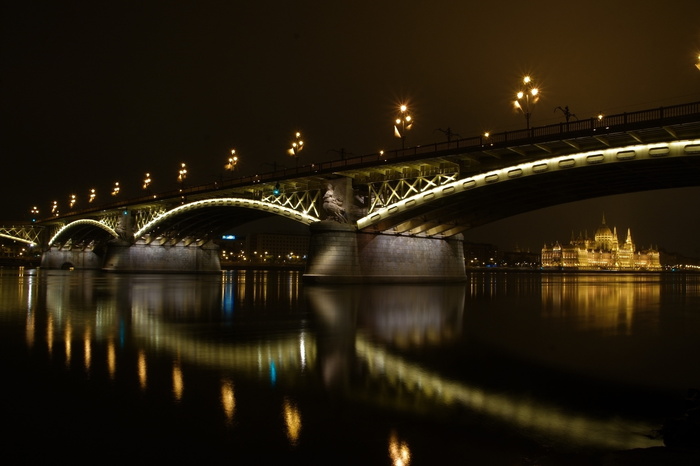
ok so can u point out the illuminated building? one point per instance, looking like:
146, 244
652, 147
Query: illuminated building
603, 252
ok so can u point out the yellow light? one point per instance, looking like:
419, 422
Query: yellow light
403, 108
520, 95
535, 91
526, 79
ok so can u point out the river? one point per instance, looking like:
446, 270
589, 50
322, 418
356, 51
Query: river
250, 367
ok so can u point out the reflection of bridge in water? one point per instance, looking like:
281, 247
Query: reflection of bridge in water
350, 325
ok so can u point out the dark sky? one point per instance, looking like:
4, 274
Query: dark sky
98, 92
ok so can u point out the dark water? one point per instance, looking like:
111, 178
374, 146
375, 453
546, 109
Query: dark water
253, 367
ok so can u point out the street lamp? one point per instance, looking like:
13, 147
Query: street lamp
54, 208
182, 175
232, 161
297, 146
93, 194
35, 213
116, 188
527, 98
147, 181
73, 200
403, 124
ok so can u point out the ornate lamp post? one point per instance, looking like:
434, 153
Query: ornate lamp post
297, 146
527, 98
403, 124
232, 161
54, 208
182, 175
93, 195
35, 213
73, 200
147, 181
116, 188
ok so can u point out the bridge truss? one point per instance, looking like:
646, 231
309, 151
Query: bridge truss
29, 234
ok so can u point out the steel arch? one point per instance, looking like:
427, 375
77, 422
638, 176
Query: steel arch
617, 155
254, 204
84, 221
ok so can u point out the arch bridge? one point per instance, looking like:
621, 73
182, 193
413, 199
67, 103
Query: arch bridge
394, 215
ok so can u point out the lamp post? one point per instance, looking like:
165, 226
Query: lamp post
297, 146
147, 181
93, 195
526, 98
73, 200
182, 175
54, 208
232, 161
403, 124
35, 213
116, 188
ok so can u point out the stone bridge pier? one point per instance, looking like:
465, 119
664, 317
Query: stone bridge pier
338, 253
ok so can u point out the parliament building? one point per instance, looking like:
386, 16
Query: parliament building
603, 252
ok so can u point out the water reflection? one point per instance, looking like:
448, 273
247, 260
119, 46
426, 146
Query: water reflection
602, 302
422, 350
378, 324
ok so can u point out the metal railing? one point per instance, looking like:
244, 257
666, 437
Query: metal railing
619, 122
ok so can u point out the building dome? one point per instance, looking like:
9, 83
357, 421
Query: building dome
603, 231
604, 237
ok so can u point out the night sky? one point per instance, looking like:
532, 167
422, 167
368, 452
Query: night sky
98, 92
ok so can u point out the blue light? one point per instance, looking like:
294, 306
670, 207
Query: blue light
228, 237
273, 373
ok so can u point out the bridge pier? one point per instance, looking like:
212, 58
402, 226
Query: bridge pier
338, 253
81, 259
178, 258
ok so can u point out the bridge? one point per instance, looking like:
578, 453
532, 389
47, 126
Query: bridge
393, 215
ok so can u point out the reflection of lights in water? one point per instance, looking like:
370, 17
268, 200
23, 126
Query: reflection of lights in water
607, 306
142, 369
615, 433
111, 359
273, 373
67, 336
228, 399
399, 452
265, 357
49, 335
292, 419
29, 334
87, 347
302, 350
178, 385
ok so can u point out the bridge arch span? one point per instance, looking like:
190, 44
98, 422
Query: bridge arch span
81, 229
196, 216
475, 200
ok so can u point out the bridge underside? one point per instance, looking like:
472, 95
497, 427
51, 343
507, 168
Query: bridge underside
494, 202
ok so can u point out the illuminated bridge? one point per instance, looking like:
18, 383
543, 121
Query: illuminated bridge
394, 215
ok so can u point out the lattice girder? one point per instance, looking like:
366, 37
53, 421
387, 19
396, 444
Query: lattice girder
24, 233
305, 202
390, 191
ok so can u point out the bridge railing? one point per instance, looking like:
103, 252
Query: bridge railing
564, 130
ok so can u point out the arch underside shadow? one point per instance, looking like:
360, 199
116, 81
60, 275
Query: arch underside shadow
476, 207
203, 223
